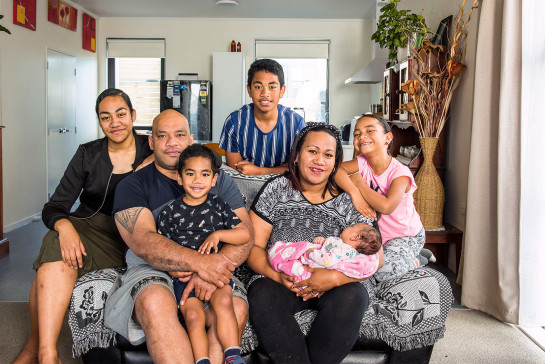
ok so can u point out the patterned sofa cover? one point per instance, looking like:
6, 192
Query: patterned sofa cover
405, 315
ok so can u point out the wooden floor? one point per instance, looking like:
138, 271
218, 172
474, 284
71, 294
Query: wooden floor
16, 273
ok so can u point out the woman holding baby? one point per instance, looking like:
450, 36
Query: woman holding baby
300, 206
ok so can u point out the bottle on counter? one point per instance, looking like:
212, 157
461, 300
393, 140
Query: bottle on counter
239, 47
233, 46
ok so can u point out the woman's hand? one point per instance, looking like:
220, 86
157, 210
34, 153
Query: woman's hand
322, 280
287, 281
71, 245
145, 162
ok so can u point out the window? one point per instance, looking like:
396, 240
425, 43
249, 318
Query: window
136, 66
306, 74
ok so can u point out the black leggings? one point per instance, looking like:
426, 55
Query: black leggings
333, 332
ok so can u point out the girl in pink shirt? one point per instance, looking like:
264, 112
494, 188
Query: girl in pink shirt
388, 187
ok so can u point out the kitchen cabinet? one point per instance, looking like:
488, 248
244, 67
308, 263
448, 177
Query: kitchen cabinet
228, 87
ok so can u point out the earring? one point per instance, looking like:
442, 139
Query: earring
386, 143
295, 163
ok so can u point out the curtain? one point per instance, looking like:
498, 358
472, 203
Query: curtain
491, 251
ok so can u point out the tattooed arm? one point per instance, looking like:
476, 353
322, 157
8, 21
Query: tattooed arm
137, 228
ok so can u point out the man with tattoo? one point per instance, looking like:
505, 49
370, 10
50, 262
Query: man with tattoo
143, 307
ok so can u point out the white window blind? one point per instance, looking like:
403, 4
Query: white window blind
137, 70
139, 78
292, 48
138, 48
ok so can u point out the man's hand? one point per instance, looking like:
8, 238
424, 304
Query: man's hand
248, 168
215, 269
211, 241
182, 276
203, 290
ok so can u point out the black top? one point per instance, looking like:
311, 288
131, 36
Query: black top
190, 225
87, 177
108, 205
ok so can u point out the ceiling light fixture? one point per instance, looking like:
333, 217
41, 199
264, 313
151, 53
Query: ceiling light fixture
227, 2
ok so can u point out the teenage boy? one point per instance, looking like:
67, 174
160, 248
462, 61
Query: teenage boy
258, 137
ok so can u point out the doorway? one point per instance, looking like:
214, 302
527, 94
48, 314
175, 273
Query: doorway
61, 115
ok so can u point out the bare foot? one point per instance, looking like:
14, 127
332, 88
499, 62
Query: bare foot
27, 357
49, 357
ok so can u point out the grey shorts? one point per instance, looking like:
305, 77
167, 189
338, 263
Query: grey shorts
118, 313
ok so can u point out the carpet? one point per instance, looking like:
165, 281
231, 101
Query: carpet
475, 337
15, 328
471, 337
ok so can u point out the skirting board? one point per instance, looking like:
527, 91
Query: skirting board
18, 224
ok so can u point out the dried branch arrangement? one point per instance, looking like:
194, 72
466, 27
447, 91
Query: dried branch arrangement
436, 76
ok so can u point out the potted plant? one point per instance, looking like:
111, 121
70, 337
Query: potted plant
2, 28
395, 27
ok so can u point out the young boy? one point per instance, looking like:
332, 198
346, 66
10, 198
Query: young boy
354, 254
199, 220
257, 138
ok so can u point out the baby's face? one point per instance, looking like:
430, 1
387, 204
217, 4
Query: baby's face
352, 235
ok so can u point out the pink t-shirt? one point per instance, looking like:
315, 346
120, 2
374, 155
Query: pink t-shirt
404, 221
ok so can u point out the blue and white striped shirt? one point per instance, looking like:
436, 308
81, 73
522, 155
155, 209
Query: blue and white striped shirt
240, 134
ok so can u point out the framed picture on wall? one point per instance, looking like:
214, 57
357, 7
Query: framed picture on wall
62, 14
89, 32
24, 13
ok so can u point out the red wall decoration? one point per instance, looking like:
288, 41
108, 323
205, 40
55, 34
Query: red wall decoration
24, 13
62, 14
89, 32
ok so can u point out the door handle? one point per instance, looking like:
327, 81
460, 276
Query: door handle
61, 130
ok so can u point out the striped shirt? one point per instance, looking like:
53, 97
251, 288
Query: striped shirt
241, 135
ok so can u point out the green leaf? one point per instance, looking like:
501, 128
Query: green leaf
4, 29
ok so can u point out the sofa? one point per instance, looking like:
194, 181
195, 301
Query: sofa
406, 316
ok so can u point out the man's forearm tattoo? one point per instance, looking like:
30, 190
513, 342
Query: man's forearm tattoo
127, 218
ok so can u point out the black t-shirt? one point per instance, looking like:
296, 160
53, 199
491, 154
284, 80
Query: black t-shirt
151, 189
190, 225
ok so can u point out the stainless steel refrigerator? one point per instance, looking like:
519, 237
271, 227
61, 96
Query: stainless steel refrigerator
194, 100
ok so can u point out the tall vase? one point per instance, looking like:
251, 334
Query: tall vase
429, 197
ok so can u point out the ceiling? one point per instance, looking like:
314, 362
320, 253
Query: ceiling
296, 9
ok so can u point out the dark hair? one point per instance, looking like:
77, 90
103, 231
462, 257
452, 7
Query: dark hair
293, 171
385, 126
113, 92
370, 241
267, 65
199, 150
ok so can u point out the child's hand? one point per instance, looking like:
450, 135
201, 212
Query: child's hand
360, 204
211, 241
319, 240
247, 168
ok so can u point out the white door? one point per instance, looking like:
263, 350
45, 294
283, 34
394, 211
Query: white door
61, 115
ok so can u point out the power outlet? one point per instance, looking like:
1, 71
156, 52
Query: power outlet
462, 208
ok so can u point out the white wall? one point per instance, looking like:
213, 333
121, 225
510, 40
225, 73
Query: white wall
191, 42
23, 106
